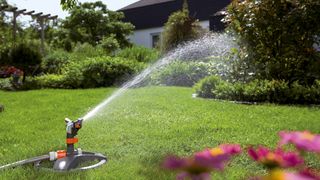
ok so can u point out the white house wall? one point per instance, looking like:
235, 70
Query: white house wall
143, 37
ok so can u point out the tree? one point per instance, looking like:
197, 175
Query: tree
277, 37
25, 57
68, 4
179, 28
4, 29
92, 22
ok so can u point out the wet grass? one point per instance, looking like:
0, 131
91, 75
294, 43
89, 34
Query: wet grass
138, 129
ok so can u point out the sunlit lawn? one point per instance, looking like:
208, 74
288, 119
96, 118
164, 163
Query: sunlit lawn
137, 130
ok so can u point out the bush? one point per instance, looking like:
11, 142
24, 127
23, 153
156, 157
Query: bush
5, 84
50, 81
181, 27
205, 87
5, 56
73, 75
109, 44
181, 74
273, 91
90, 73
26, 58
139, 53
54, 62
107, 71
85, 50
277, 38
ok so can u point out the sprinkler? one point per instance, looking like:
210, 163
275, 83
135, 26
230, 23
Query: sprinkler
70, 159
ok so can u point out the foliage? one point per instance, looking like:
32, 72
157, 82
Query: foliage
92, 22
181, 74
5, 30
204, 88
107, 71
68, 4
89, 73
73, 75
50, 81
26, 58
109, 44
5, 84
54, 62
277, 37
180, 28
274, 91
83, 51
139, 53
5, 56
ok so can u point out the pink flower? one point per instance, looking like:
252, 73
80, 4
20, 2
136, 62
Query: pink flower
199, 166
284, 175
231, 149
273, 159
311, 174
302, 140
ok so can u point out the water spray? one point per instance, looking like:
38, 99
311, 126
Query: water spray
70, 159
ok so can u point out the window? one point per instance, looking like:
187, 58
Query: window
155, 39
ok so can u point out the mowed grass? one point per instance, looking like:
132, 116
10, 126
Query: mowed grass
139, 128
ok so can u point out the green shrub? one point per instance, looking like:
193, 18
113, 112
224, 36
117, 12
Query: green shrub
259, 91
5, 84
30, 83
26, 58
181, 74
85, 50
224, 90
109, 44
279, 91
276, 38
5, 56
50, 81
90, 73
73, 75
108, 71
139, 53
67, 45
181, 27
55, 61
205, 88
256, 91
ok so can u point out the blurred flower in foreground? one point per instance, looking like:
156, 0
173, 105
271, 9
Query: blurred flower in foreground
302, 140
284, 175
311, 174
274, 159
199, 166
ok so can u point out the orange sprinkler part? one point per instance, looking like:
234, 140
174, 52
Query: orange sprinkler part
61, 154
72, 140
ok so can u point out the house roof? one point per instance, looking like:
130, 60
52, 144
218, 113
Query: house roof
143, 3
155, 13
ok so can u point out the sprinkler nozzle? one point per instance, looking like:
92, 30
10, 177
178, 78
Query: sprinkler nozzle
72, 130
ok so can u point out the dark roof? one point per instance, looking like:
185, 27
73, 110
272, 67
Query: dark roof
143, 3
154, 13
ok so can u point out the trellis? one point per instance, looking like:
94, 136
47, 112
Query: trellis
41, 19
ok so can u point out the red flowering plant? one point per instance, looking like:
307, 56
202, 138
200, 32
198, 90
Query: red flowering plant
275, 158
201, 164
304, 141
286, 175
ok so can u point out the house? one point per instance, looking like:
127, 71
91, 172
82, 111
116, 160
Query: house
149, 17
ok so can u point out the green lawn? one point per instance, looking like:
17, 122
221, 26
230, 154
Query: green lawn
138, 129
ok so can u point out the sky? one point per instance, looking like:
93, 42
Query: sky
53, 6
